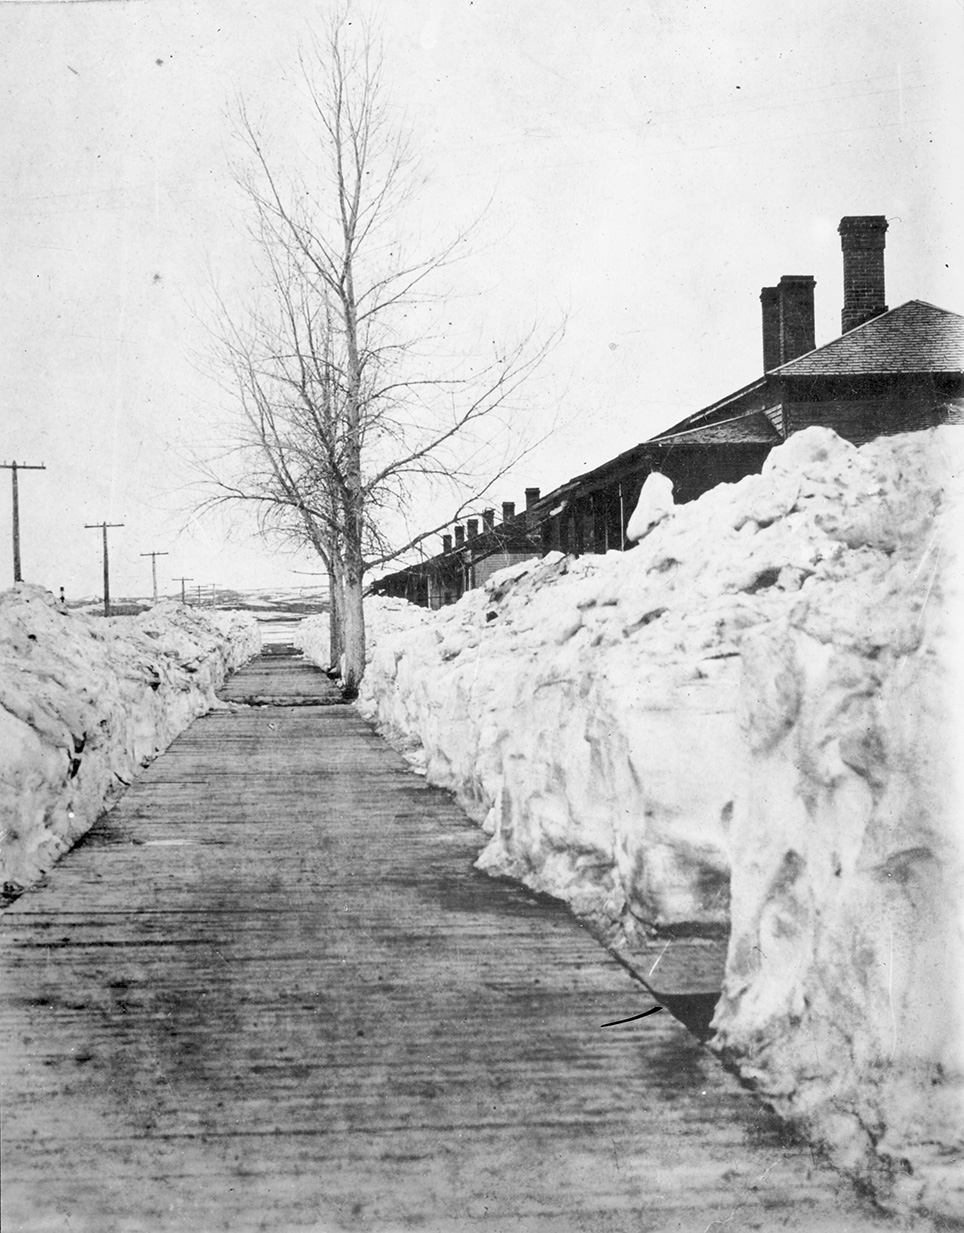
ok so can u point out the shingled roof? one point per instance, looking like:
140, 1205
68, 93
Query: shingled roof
750, 428
915, 338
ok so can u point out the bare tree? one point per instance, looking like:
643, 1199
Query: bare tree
345, 413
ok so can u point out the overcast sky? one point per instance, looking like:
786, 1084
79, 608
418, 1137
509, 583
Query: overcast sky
642, 169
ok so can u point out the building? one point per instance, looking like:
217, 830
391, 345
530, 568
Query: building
469, 556
891, 370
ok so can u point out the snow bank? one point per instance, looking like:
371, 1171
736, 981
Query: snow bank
85, 702
844, 992
583, 710
383, 617
756, 704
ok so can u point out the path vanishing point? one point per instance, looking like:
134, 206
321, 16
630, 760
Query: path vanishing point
268, 991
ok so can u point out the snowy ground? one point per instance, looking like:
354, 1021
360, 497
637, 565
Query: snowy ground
747, 722
85, 702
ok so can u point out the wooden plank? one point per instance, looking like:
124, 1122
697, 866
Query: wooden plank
281, 674
269, 991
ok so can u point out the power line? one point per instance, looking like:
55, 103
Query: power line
13, 468
104, 526
154, 556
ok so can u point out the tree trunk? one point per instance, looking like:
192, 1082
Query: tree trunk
335, 640
353, 635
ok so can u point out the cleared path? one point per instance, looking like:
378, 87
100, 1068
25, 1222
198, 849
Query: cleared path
268, 991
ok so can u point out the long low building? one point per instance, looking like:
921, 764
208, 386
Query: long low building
891, 370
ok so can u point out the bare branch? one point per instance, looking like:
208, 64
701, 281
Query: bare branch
345, 421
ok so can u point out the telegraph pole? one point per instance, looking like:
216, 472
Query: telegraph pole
214, 594
104, 526
13, 468
199, 595
182, 582
154, 556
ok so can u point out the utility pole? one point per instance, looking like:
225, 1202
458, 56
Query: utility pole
182, 582
199, 595
214, 594
13, 468
104, 526
154, 556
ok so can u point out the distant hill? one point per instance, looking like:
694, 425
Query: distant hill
297, 601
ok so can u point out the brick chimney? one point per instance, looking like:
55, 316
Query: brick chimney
508, 511
532, 496
488, 519
772, 344
473, 525
446, 543
862, 238
788, 323
459, 535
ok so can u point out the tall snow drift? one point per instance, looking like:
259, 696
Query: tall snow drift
85, 702
744, 722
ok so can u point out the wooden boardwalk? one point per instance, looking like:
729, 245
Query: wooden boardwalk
269, 992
